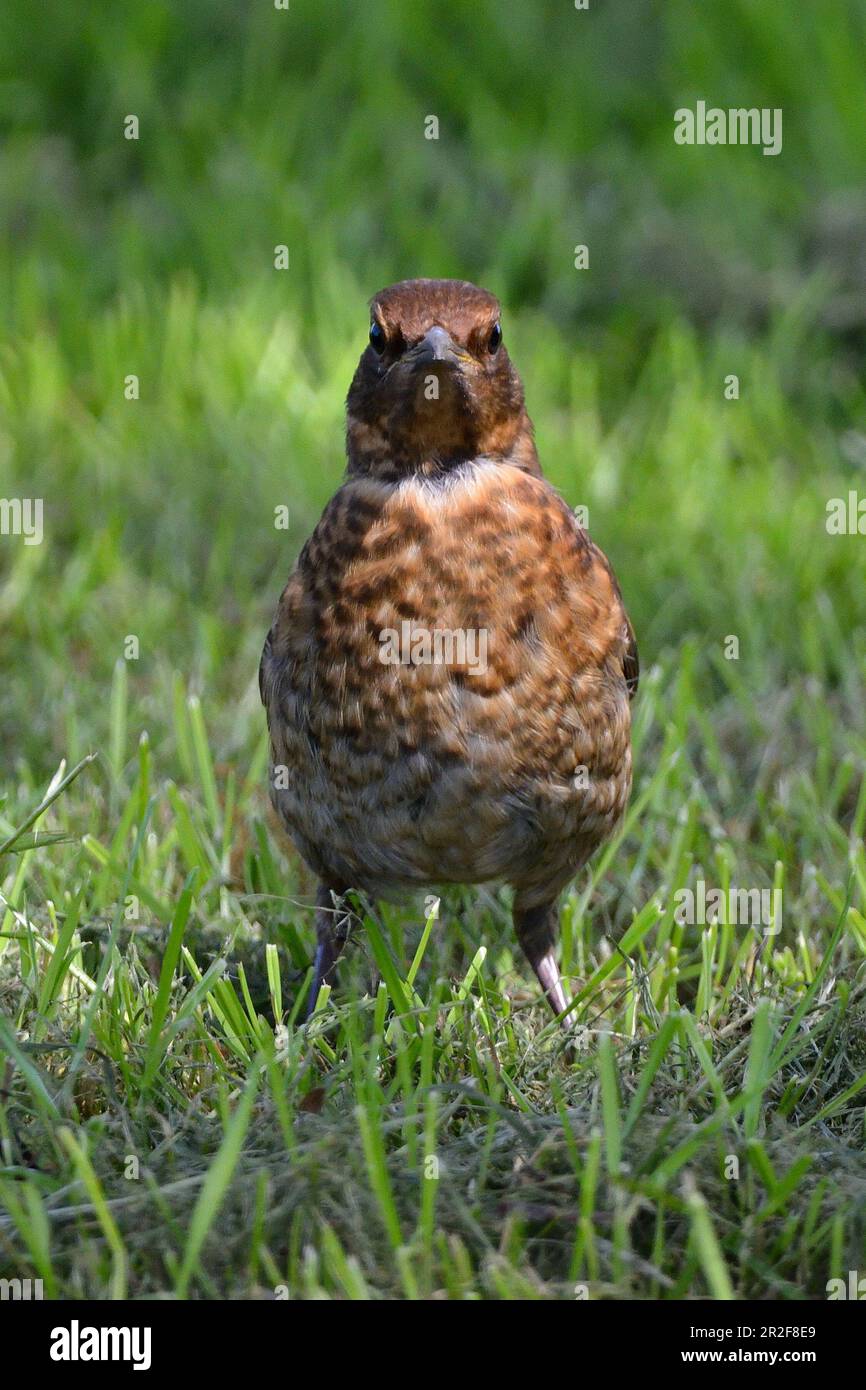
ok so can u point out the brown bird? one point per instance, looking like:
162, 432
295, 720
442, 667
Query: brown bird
448, 675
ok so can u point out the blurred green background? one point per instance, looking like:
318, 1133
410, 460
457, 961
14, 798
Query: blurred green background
155, 257
305, 127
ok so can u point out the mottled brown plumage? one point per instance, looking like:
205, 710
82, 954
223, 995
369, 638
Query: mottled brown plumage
513, 765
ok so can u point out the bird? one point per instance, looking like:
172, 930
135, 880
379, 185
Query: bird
449, 674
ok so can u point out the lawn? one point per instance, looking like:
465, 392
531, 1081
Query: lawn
168, 1124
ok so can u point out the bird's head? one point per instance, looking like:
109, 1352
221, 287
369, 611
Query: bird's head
435, 385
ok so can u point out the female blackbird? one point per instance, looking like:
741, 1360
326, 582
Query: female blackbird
448, 675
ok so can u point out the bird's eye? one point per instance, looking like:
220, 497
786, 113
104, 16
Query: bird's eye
495, 338
377, 337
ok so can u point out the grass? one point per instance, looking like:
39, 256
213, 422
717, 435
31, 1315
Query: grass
167, 1125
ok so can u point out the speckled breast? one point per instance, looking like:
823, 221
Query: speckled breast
445, 689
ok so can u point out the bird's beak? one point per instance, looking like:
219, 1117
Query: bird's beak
436, 346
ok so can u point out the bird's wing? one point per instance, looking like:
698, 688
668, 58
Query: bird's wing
264, 668
284, 643
629, 658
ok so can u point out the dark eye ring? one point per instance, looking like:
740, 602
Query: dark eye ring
377, 337
495, 337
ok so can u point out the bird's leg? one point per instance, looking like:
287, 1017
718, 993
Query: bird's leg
536, 929
332, 928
